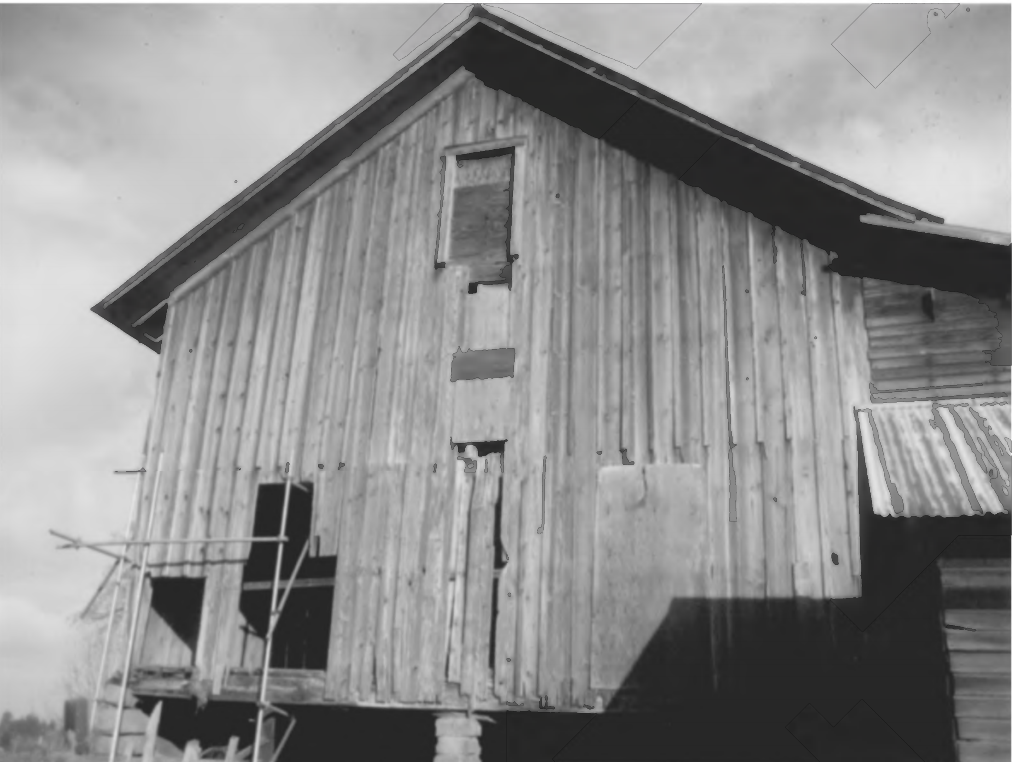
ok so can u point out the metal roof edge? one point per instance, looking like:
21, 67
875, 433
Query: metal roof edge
931, 228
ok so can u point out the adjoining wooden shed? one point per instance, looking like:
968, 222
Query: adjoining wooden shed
544, 351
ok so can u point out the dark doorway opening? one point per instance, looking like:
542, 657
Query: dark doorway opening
302, 635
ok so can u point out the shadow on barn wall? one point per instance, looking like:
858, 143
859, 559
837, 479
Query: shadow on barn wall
792, 679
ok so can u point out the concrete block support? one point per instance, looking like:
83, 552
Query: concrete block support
457, 738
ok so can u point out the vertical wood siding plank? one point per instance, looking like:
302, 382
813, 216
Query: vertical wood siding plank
798, 416
337, 419
549, 395
221, 598
458, 577
417, 197
469, 112
557, 558
207, 472
446, 598
628, 299
610, 372
641, 329
321, 386
293, 423
486, 495
367, 507
583, 411
435, 587
674, 297
690, 418
430, 434
417, 266
193, 428
244, 486
661, 260
770, 415
416, 400
487, 113
340, 483
516, 455
477, 577
540, 264
268, 463
387, 417
828, 426
177, 345
391, 351
714, 384
852, 343
750, 545
311, 245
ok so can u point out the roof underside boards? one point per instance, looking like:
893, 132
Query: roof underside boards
935, 459
803, 200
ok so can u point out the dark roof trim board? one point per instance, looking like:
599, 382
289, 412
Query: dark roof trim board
802, 199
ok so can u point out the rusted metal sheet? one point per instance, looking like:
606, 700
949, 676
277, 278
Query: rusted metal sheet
938, 459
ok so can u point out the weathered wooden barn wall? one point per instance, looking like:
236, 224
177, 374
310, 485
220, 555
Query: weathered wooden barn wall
646, 316
926, 344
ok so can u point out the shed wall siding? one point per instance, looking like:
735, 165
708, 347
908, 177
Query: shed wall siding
917, 356
649, 320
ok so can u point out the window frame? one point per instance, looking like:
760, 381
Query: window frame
447, 174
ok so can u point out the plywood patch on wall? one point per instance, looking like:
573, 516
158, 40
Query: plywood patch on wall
650, 548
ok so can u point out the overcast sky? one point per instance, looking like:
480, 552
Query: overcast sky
122, 127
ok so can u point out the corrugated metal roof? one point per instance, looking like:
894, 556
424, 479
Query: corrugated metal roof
950, 458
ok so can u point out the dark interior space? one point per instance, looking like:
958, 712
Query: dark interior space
212, 725
178, 601
170, 638
302, 636
498, 564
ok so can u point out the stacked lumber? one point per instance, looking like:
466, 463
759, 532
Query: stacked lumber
976, 593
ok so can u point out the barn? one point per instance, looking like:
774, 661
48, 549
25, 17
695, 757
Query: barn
541, 375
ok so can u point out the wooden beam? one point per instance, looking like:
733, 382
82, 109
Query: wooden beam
151, 734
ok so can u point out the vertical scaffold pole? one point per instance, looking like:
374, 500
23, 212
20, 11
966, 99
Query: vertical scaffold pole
135, 613
100, 678
269, 638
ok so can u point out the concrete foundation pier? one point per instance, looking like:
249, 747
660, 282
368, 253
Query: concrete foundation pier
457, 738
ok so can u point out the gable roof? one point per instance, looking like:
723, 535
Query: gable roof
802, 199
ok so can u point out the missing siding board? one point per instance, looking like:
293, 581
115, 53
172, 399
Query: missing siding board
477, 201
170, 638
482, 363
302, 636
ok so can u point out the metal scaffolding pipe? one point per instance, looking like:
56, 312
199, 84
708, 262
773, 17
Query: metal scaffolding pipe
135, 614
77, 544
74, 543
269, 639
100, 678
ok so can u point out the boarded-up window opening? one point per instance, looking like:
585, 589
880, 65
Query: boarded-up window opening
473, 364
170, 639
476, 216
303, 632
